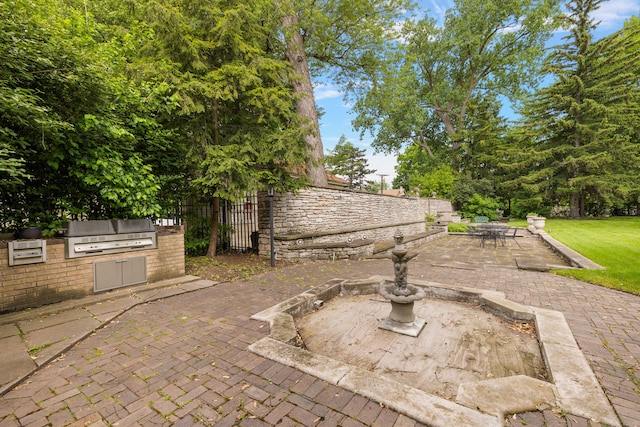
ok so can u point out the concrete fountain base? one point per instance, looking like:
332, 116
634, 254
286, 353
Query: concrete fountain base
402, 319
572, 387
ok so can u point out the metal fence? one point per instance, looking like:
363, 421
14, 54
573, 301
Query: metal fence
238, 223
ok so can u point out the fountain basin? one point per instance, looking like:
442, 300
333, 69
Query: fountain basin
573, 388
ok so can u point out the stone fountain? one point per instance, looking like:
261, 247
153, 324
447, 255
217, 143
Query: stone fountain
402, 318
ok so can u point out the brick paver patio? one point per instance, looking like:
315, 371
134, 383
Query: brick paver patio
183, 360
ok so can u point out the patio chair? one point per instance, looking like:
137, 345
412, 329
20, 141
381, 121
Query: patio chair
474, 233
511, 233
481, 220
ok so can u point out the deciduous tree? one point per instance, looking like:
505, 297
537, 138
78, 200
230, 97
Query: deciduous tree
342, 39
60, 116
484, 49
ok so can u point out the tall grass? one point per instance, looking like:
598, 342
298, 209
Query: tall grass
614, 243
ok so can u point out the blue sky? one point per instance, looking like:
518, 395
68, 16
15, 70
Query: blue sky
337, 117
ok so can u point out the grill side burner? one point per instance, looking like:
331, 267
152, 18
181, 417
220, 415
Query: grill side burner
76, 247
88, 238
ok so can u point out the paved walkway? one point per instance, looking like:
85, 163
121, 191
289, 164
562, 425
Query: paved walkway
182, 359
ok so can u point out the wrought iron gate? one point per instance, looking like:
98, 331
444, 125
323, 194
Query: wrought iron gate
238, 223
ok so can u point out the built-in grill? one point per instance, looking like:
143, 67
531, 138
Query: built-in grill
88, 238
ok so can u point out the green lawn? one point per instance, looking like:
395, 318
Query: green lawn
614, 243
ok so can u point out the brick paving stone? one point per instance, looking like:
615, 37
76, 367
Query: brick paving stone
38, 423
184, 411
404, 421
370, 412
355, 405
326, 395
253, 422
61, 417
212, 398
350, 422
331, 419
9, 422
303, 416
276, 415
186, 422
172, 391
92, 419
288, 422
142, 402
228, 407
207, 414
320, 410
386, 418
191, 395
230, 419
256, 408
164, 406
577, 421
316, 388
257, 393
34, 418
302, 384
301, 402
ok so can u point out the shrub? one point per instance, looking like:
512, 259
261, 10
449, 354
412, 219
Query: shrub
457, 227
478, 205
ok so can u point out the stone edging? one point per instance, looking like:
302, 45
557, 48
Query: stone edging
574, 387
572, 257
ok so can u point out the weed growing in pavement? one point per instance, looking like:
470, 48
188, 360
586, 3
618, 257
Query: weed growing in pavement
94, 355
33, 351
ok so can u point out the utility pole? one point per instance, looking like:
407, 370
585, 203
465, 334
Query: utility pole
382, 175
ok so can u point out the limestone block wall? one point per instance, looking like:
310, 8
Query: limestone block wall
323, 215
60, 279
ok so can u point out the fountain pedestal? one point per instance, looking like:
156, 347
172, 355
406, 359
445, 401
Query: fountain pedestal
402, 319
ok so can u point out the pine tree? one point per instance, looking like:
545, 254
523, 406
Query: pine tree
578, 132
349, 161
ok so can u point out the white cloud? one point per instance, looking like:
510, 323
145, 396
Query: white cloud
324, 91
613, 13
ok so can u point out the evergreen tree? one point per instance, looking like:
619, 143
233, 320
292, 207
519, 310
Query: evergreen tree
349, 161
579, 137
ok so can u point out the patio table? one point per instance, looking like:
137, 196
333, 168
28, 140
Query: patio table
493, 232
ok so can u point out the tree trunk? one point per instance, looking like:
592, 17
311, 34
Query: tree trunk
305, 103
215, 214
574, 205
213, 235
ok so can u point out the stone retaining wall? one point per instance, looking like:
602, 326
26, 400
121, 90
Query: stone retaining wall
325, 223
60, 279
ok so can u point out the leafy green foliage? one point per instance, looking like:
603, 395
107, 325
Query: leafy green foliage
465, 188
448, 77
415, 162
439, 180
68, 120
457, 227
478, 205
